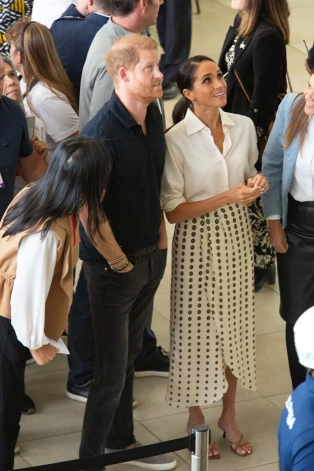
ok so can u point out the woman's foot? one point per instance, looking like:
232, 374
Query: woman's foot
196, 417
237, 443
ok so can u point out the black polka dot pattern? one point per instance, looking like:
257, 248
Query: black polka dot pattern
212, 307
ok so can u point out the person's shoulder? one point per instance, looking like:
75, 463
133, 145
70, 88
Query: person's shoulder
66, 22
266, 30
155, 112
99, 126
175, 131
10, 110
239, 119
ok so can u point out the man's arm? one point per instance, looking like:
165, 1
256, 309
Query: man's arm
104, 241
32, 167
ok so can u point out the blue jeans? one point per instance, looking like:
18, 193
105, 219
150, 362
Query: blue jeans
120, 304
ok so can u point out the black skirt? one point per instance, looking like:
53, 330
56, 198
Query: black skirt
296, 267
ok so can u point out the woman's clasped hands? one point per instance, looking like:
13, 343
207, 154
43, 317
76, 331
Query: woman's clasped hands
246, 194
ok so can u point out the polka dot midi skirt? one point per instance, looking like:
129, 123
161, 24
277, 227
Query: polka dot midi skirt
212, 307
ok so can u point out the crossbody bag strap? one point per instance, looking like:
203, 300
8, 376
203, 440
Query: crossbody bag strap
242, 86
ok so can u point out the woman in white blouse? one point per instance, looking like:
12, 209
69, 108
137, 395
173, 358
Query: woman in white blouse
209, 179
38, 252
288, 162
49, 93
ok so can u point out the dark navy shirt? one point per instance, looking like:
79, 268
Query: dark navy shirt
72, 37
14, 143
132, 201
296, 429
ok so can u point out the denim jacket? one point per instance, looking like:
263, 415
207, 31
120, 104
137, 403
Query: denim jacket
279, 162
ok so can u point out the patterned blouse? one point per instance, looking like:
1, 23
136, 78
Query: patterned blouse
10, 12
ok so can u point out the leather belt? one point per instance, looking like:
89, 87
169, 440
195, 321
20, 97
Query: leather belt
146, 251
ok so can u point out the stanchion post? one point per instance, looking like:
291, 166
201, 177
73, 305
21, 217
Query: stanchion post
199, 456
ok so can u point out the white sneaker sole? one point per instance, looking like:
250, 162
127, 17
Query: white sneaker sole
76, 397
152, 467
145, 374
16, 450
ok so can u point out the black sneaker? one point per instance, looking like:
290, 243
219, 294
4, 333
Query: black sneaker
157, 365
80, 393
28, 406
170, 90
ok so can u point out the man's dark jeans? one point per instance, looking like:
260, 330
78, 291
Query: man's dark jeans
120, 303
81, 342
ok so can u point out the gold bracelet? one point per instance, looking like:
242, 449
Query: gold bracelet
121, 268
117, 260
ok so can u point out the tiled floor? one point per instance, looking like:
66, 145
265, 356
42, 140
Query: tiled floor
53, 433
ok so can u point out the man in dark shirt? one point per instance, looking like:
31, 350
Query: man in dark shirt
73, 36
124, 269
15, 148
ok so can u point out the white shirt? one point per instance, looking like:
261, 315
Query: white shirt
36, 261
196, 170
47, 11
302, 186
57, 115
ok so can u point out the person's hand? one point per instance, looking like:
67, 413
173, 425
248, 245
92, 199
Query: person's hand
278, 238
44, 354
259, 181
243, 194
40, 147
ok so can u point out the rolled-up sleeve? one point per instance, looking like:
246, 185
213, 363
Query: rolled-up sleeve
36, 261
172, 184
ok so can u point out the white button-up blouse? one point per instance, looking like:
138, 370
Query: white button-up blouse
196, 170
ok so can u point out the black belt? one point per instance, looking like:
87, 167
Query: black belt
146, 251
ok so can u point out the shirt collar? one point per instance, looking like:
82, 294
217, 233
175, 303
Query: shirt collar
193, 124
310, 382
120, 112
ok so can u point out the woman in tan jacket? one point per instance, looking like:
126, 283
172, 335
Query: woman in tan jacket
38, 252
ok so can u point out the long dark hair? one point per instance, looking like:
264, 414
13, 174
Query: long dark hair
77, 176
185, 78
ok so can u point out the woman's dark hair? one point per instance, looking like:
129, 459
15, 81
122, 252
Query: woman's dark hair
185, 79
77, 176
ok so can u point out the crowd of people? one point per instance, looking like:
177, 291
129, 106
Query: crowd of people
84, 132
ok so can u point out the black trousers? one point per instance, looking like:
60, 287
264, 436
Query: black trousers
13, 356
296, 276
297, 371
81, 343
120, 304
174, 25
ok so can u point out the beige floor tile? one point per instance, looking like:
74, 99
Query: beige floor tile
279, 400
161, 329
65, 447
55, 413
58, 364
162, 304
301, 22
266, 467
52, 449
150, 394
267, 312
258, 420
19, 463
272, 364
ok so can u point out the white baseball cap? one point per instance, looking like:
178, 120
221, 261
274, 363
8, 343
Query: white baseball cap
304, 338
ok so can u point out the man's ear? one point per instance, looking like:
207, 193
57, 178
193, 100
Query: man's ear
124, 74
